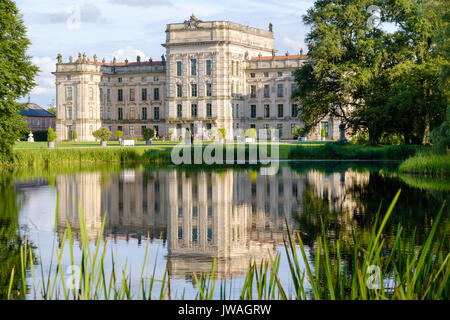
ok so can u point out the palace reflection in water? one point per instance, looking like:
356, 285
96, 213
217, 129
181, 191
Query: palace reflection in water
230, 215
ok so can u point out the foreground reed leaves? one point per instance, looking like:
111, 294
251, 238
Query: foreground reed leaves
378, 270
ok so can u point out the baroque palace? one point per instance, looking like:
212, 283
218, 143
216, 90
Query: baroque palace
215, 74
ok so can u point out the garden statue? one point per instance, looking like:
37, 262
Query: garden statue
30, 137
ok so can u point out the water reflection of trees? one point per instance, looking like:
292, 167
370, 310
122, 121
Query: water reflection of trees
415, 212
11, 235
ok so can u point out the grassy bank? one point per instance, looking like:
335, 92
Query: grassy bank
160, 153
334, 151
406, 272
427, 164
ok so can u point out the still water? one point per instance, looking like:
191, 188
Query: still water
233, 215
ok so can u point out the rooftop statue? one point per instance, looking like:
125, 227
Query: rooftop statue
59, 58
192, 22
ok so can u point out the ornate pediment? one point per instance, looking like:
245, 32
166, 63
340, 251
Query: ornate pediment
192, 23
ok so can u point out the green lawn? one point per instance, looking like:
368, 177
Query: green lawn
43, 145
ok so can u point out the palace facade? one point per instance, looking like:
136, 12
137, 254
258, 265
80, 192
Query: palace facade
215, 74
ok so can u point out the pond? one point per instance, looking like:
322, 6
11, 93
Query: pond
192, 216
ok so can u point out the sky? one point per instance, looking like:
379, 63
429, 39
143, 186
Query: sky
127, 28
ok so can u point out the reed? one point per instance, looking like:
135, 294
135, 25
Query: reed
406, 271
336, 151
427, 164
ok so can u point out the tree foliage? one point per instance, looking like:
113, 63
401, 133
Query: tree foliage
148, 133
51, 135
102, 134
16, 75
374, 81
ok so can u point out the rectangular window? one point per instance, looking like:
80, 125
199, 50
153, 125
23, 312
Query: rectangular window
266, 110
280, 90
91, 93
293, 126
156, 113
280, 130
266, 74
142, 130
120, 114
252, 91
325, 127
156, 94
144, 113
252, 126
253, 111
280, 111
208, 67
266, 91
120, 95
69, 93
193, 67
144, 94
209, 89
179, 111
108, 95
280, 74
293, 87
194, 90
156, 128
179, 90
131, 130
294, 111
179, 66
194, 110
252, 75
91, 113
69, 113
119, 80
208, 110
101, 94
132, 94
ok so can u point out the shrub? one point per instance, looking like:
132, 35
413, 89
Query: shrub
251, 133
323, 133
148, 134
51, 135
119, 134
38, 135
440, 137
74, 134
222, 133
361, 139
102, 134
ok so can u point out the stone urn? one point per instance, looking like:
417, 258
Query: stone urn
104, 143
51, 144
148, 142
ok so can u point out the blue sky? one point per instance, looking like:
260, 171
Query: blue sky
127, 28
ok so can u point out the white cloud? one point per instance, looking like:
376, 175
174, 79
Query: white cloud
292, 45
142, 3
129, 53
45, 79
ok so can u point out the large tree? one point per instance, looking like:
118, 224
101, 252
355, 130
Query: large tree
374, 81
16, 76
